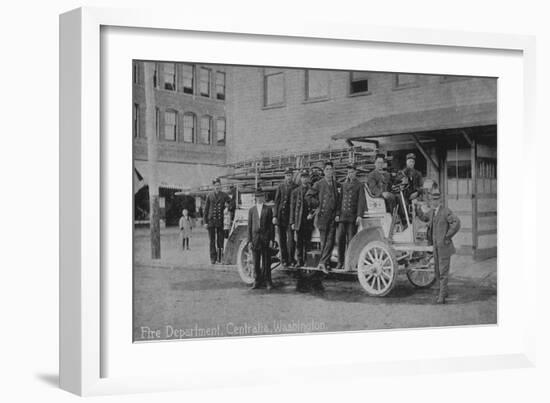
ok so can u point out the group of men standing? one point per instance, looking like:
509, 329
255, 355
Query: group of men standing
336, 210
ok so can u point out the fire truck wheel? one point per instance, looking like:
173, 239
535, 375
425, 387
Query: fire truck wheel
422, 274
377, 268
245, 264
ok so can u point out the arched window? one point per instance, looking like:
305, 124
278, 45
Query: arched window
206, 130
220, 131
189, 123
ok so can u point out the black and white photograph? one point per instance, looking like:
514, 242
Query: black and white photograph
271, 200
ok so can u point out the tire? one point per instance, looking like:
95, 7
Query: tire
245, 265
377, 268
423, 275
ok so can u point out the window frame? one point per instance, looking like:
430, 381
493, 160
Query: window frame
224, 120
281, 104
224, 85
210, 120
174, 77
135, 120
183, 86
194, 134
175, 112
209, 70
307, 98
350, 83
397, 86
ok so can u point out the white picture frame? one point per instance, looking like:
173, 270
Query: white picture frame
96, 357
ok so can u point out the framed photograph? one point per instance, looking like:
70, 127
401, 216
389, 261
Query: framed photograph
238, 198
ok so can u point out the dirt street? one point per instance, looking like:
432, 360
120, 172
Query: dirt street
184, 296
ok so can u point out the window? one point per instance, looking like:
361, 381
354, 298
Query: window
204, 82
187, 78
206, 129
170, 126
135, 120
405, 80
155, 76
359, 82
220, 132
157, 122
274, 89
135, 73
316, 84
189, 128
459, 169
220, 85
169, 74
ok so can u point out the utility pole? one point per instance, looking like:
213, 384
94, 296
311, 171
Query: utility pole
152, 158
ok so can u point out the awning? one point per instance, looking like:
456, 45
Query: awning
179, 176
448, 118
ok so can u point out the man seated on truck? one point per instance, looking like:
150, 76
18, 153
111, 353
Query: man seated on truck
379, 183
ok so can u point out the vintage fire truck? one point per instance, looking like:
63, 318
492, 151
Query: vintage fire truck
382, 247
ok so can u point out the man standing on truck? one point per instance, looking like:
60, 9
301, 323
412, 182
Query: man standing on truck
379, 183
301, 219
213, 219
324, 195
443, 225
281, 217
351, 207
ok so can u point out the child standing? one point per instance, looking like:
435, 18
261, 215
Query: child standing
186, 226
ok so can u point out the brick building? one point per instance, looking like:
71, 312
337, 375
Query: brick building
449, 122
191, 127
212, 115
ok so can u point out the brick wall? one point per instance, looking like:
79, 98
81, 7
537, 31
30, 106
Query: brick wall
299, 125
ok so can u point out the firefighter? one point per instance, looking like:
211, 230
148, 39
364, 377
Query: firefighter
301, 220
351, 207
281, 217
324, 195
414, 178
213, 219
379, 183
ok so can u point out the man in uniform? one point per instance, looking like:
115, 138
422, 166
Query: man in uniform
261, 235
281, 216
213, 219
414, 178
352, 205
443, 225
379, 183
301, 219
324, 195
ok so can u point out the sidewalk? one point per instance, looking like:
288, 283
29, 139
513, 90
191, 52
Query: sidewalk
172, 256
483, 272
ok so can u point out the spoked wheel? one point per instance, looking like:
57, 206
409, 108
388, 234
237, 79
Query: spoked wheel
377, 268
245, 262
422, 274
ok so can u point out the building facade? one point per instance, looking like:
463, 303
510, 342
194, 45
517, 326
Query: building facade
190, 127
448, 121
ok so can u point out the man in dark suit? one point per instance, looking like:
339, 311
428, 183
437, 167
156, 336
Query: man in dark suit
213, 219
260, 236
301, 219
281, 216
351, 208
379, 183
443, 225
324, 195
